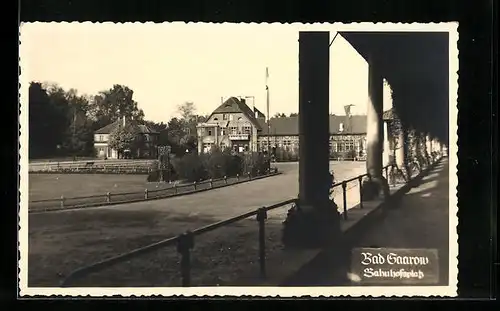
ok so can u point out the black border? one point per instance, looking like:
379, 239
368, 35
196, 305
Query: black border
477, 114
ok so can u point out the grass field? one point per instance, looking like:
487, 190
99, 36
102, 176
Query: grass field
63, 241
52, 186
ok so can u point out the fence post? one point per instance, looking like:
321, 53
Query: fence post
62, 201
225, 180
237, 177
145, 194
249, 176
344, 198
261, 218
360, 180
194, 184
211, 183
175, 188
184, 244
108, 197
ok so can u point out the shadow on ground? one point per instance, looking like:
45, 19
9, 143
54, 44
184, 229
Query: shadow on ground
420, 219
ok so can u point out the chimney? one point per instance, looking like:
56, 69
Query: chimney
123, 119
256, 113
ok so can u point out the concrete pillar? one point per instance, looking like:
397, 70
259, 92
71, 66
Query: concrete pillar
254, 139
316, 220
386, 145
216, 136
313, 117
402, 151
200, 140
375, 134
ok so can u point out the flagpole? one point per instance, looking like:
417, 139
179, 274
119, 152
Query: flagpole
268, 124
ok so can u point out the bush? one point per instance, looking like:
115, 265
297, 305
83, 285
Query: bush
154, 174
351, 154
283, 155
334, 155
217, 164
221, 163
190, 167
255, 163
234, 163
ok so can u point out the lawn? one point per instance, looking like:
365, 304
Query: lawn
52, 186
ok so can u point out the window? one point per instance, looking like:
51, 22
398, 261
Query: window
341, 127
216, 119
247, 130
222, 132
349, 145
233, 130
224, 116
209, 132
240, 118
340, 147
230, 117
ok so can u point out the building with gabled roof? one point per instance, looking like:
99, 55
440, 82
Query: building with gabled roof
235, 125
147, 137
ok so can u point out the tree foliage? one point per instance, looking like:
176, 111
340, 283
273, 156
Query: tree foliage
113, 104
58, 122
123, 138
63, 122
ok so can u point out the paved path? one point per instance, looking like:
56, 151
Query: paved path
420, 221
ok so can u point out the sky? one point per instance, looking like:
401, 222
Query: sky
171, 63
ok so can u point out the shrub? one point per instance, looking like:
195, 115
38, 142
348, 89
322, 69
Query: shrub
154, 174
279, 154
217, 163
351, 154
190, 167
234, 165
334, 155
255, 163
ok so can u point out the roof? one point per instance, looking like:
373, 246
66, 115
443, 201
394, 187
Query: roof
290, 125
142, 128
235, 105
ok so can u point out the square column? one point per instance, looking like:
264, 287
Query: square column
386, 145
402, 151
314, 117
376, 183
314, 220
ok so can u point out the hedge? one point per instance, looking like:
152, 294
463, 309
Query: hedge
217, 164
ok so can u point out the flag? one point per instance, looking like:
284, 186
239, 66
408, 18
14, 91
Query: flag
347, 110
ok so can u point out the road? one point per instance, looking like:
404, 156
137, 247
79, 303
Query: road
231, 201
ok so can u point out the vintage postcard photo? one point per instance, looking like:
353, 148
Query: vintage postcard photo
236, 159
